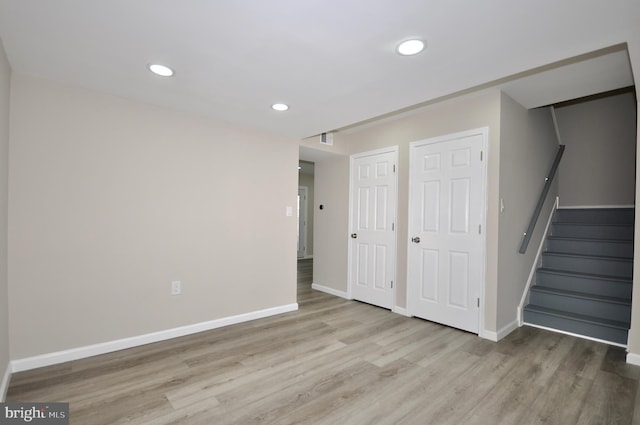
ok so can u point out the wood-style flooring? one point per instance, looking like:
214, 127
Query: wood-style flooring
343, 362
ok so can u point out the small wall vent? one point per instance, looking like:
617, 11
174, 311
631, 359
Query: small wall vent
326, 139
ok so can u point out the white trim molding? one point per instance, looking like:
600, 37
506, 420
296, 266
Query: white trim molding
536, 263
49, 359
401, 311
633, 358
501, 333
4, 384
330, 291
591, 207
559, 331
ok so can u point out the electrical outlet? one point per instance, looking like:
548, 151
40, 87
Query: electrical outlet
176, 287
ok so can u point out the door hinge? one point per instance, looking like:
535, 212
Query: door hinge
393, 227
478, 302
480, 155
479, 229
392, 284
394, 168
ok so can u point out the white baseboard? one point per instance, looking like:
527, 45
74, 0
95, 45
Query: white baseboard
501, 333
121, 344
402, 311
4, 384
587, 207
578, 336
330, 291
633, 359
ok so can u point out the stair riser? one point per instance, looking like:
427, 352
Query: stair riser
601, 309
592, 231
577, 327
589, 265
614, 216
607, 249
589, 286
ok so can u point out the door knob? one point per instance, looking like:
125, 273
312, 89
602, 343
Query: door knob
415, 239
354, 235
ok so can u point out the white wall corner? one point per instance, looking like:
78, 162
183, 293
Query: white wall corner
519, 313
401, 311
4, 385
58, 357
633, 358
501, 333
490, 335
330, 291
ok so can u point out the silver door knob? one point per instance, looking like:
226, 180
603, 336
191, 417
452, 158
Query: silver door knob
354, 235
415, 239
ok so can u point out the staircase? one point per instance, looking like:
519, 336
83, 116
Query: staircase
584, 283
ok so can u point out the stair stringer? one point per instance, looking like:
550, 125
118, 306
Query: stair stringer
536, 264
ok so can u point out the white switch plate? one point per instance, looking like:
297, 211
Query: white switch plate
289, 212
176, 287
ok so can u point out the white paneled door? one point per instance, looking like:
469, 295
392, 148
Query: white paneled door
445, 273
372, 238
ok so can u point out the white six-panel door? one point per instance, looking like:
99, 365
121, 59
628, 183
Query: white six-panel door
446, 249
372, 237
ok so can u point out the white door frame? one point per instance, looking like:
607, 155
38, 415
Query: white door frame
302, 221
484, 132
352, 158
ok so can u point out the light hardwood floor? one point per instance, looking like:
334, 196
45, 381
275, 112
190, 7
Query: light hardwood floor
343, 362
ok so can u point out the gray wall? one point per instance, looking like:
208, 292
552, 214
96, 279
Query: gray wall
528, 146
112, 199
331, 224
633, 355
472, 111
598, 166
634, 332
5, 79
522, 145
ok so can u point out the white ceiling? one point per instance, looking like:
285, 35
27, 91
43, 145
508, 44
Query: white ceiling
332, 61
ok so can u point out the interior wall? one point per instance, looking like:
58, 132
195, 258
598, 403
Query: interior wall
598, 166
5, 80
111, 200
633, 356
463, 113
307, 180
522, 146
528, 148
634, 331
331, 224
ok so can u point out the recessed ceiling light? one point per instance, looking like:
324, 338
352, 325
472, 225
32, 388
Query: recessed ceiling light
410, 47
161, 70
280, 106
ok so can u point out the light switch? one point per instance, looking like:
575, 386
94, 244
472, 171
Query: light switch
176, 287
289, 212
